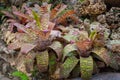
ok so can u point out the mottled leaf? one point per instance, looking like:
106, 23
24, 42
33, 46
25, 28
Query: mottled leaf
83, 35
68, 66
102, 54
29, 61
51, 25
57, 47
113, 62
52, 62
42, 59
20, 63
62, 19
21, 15
68, 49
57, 10
70, 37
26, 47
83, 46
15, 45
86, 67
21, 27
45, 21
9, 37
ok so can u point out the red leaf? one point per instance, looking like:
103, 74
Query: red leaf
83, 46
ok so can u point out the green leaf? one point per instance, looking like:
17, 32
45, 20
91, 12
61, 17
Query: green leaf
68, 49
68, 66
52, 62
70, 37
93, 35
37, 19
102, 54
21, 75
86, 67
42, 59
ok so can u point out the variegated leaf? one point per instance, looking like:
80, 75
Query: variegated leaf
102, 54
42, 59
70, 37
68, 49
68, 66
57, 47
26, 47
29, 61
45, 21
52, 62
86, 67
113, 62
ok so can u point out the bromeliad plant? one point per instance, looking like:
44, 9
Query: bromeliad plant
77, 55
31, 30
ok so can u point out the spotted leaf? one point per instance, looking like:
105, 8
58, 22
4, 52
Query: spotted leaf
68, 66
42, 61
86, 67
102, 54
68, 49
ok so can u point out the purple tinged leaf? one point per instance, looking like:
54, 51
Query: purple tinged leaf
8, 14
21, 27
45, 21
25, 48
57, 47
55, 33
19, 14
51, 26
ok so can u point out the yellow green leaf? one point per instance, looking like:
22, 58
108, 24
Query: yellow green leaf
68, 66
86, 67
37, 19
42, 59
68, 49
102, 54
52, 62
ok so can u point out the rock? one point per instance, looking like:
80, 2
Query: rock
3, 77
114, 45
115, 3
90, 7
104, 76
